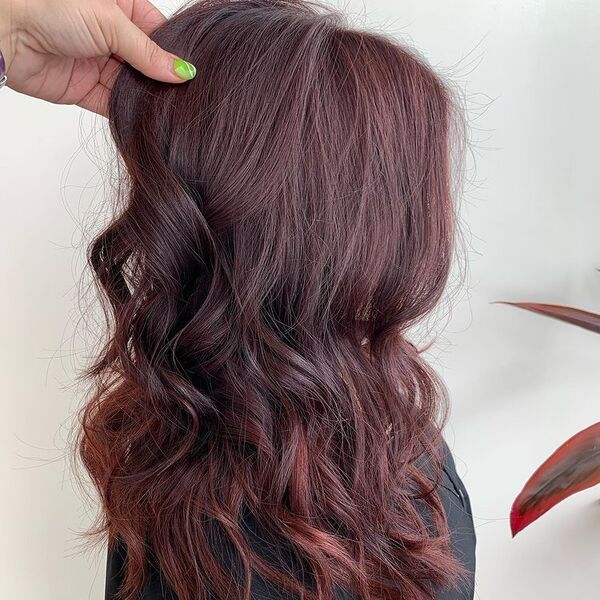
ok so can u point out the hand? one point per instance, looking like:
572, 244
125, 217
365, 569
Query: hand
69, 51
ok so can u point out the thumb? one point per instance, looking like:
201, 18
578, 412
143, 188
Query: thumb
136, 48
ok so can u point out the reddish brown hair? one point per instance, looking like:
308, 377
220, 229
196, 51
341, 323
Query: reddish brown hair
286, 218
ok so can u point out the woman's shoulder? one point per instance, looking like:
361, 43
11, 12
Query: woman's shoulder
155, 587
457, 505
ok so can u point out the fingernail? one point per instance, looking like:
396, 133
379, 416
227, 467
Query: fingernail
184, 70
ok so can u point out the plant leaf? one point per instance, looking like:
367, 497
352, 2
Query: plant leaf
575, 466
575, 316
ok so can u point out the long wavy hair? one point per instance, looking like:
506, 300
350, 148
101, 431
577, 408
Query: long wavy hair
284, 219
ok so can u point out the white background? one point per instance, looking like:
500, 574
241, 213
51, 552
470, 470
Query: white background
520, 384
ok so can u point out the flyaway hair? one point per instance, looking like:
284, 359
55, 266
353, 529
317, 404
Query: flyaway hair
285, 218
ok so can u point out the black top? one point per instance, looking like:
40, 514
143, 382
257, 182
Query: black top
460, 522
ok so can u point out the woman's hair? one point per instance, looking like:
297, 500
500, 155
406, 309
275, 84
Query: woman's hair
286, 217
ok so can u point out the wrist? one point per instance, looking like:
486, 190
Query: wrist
8, 31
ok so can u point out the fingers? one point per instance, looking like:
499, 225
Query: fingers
146, 16
96, 100
135, 47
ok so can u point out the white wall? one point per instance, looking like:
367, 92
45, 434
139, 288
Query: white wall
520, 384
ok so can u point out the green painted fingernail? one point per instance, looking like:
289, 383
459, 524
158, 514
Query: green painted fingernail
184, 70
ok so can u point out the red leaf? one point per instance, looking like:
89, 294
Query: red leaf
575, 316
575, 466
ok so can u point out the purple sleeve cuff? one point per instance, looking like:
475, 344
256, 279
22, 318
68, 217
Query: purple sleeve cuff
2, 70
